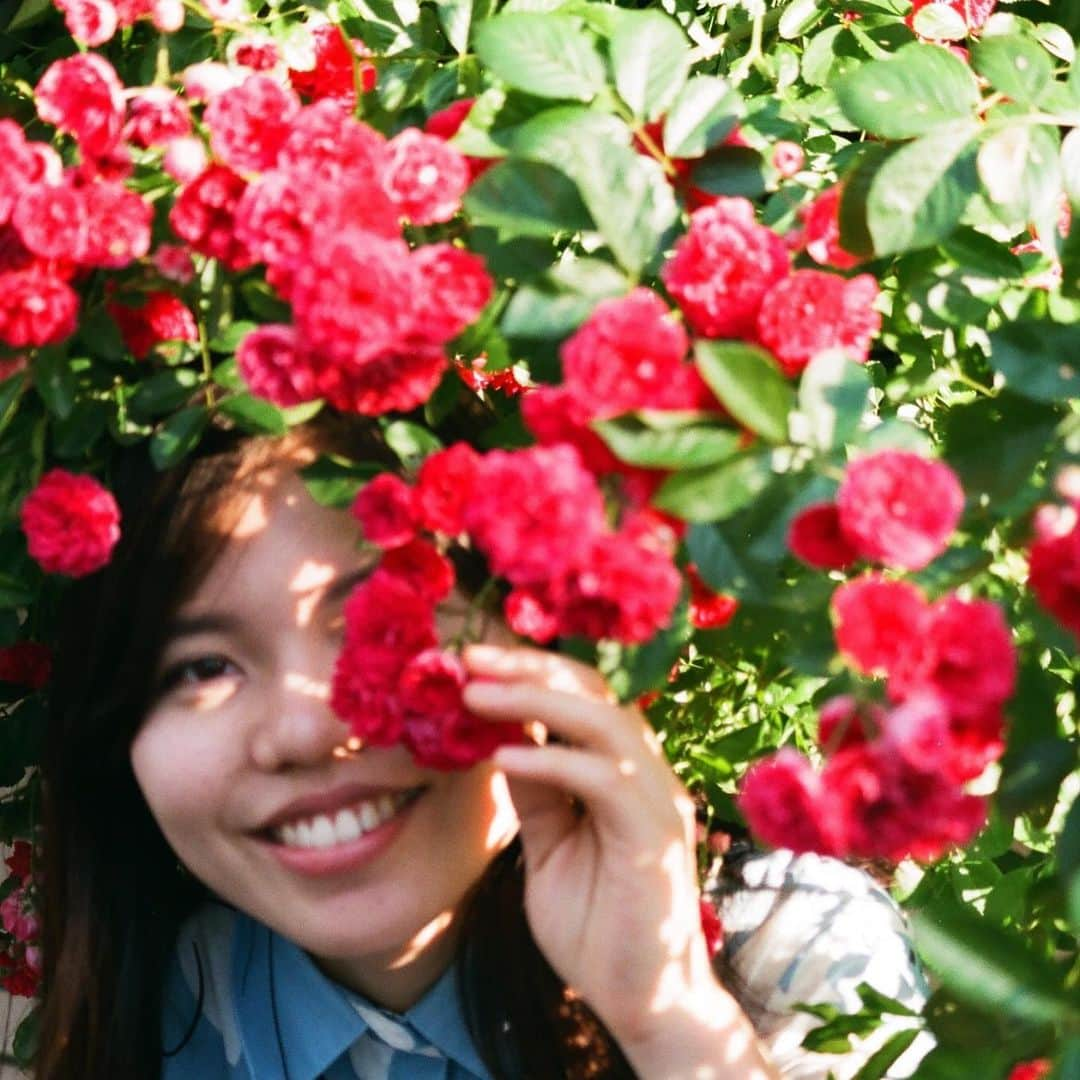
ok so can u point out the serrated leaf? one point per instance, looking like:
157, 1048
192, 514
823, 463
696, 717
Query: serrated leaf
800, 16
919, 194
333, 480
1014, 65
990, 968
879, 1063
527, 198
1020, 170
178, 436
650, 59
54, 381
411, 442
680, 448
732, 171
548, 55
939, 22
833, 395
701, 117
1037, 359
715, 492
749, 385
254, 414
924, 87
162, 393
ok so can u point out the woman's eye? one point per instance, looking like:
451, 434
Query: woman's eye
202, 669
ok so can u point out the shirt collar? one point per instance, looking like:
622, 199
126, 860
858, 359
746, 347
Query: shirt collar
279, 989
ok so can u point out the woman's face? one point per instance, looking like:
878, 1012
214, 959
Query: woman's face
363, 859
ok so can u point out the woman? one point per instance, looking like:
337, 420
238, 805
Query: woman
219, 853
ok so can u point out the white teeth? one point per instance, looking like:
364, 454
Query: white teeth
346, 825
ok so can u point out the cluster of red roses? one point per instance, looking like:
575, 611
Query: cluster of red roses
537, 516
893, 781
20, 957
1054, 558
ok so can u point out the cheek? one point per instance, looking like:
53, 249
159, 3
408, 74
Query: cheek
480, 813
182, 770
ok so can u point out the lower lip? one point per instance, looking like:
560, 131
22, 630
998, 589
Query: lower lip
322, 862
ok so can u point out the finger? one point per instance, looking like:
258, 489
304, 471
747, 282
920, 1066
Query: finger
609, 789
546, 814
585, 723
540, 668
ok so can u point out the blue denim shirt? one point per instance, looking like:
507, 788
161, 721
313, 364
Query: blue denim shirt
244, 1002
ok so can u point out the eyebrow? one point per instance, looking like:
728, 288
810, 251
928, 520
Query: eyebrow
221, 622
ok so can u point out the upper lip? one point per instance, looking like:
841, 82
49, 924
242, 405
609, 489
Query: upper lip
330, 801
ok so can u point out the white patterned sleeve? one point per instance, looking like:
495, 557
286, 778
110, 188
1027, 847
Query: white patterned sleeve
808, 929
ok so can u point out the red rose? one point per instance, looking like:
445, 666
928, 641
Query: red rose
709, 609
1032, 1070
781, 798
555, 414
90, 22
425, 178
964, 654
1054, 576
446, 123
975, 13
420, 566
385, 509
788, 158
256, 53
811, 312
443, 487
534, 513
723, 267
878, 622
118, 226
35, 309
162, 317
71, 523
439, 730
269, 363
83, 96
629, 354
19, 166
531, 613
899, 508
454, 288
845, 721
821, 231
26, 663
333, 76
250, 122
20, 860
204, 215
815, 537
156, 115
51, 220
394, 380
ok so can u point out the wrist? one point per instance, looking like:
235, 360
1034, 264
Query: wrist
699, 1033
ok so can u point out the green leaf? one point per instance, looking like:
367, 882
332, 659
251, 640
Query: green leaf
716, 492
1070, 165
228, 341
455, 17
254, 414
1034, 775
11, 390
1020, 169
919, 194
333, 480
834, 1036
854, 230
723, 567
543, 54
749, 385
702, 116
411, 442
28, 13
1014, 65
54, 381
879, 1063
681, 448
162, 393
991, 968
76, 434
178, 436
939, 22
833, 395
733, 171
878, 1002
527, 198
1068, 859
923, 88
1037, 359
1002, 465
24, 1045
799, 16
650, 59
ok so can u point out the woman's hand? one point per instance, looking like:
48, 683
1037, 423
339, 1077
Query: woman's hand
611, 888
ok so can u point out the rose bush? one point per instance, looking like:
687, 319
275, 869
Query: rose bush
760, 321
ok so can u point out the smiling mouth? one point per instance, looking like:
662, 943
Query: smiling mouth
321, 831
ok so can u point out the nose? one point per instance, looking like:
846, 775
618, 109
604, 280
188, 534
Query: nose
298, 728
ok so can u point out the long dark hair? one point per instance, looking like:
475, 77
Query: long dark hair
114, 895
